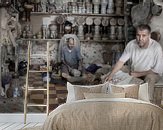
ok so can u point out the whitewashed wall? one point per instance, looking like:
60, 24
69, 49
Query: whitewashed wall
92, 52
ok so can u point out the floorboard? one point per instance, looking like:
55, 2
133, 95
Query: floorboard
20, 126
3, 127
39, 124
13, 126
1, 124
30, 125
17, 126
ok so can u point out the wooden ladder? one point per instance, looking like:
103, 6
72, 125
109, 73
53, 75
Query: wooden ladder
30, 88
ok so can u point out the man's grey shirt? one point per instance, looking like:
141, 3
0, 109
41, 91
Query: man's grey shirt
71, 57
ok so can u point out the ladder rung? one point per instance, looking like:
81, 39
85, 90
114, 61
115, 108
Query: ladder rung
36, 89
37, 71
38, 55
33, 105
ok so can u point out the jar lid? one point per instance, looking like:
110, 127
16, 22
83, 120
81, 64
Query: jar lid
80, 20
105, 22
97, 21
60, 19
89, 21
121, 21
113, 21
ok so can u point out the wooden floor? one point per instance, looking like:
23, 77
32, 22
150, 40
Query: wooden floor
17, 126
15, 121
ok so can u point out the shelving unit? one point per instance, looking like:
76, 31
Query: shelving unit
38, 16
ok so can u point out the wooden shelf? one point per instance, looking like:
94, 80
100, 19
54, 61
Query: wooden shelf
32, 39
77, 14
100, 40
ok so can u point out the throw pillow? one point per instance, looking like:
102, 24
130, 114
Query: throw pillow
103, 95
75, 92
130, 90
143, 92
79, 91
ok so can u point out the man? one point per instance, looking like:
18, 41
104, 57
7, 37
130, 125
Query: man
71, 60
145, 56
68, 30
